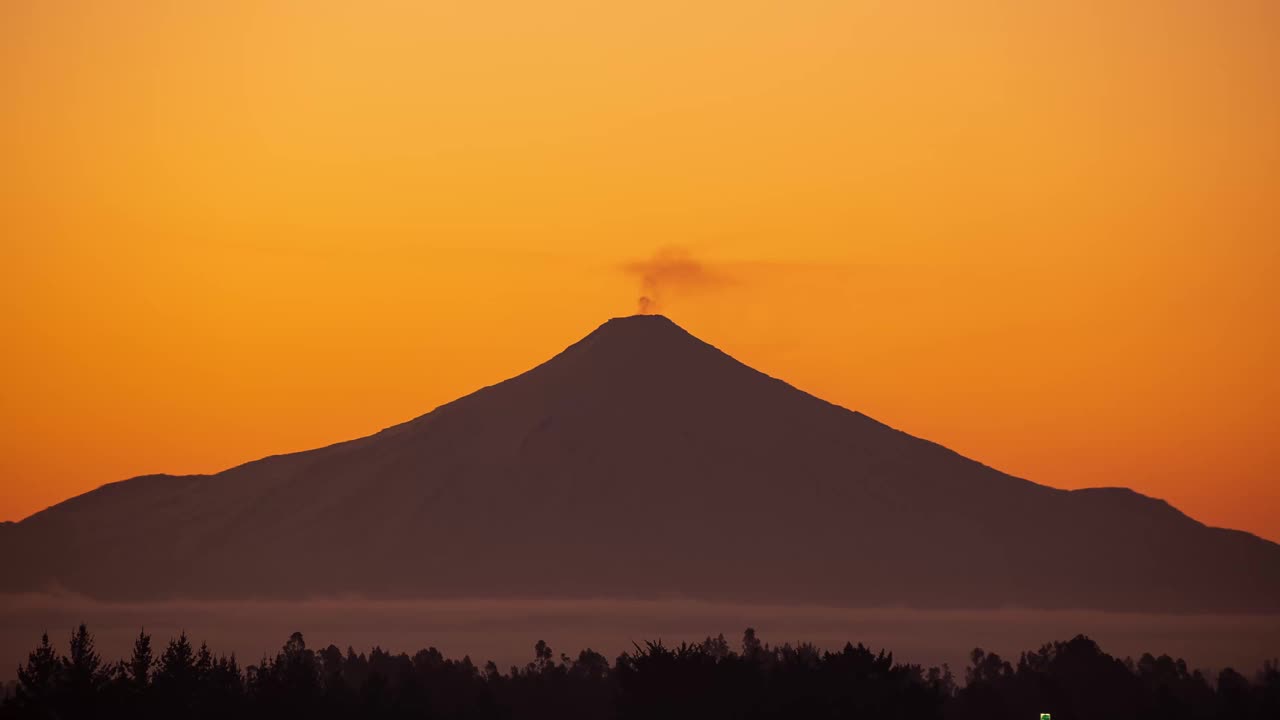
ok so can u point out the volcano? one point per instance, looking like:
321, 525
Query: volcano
639, 462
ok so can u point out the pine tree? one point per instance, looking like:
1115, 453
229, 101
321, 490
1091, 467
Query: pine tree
83, 675
177, 666
38, 680
138, 669
175, 678
203, 662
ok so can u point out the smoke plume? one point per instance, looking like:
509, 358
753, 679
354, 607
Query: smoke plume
670, 271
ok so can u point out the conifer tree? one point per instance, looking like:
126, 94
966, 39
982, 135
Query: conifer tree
83, 675
138, 669
38, 680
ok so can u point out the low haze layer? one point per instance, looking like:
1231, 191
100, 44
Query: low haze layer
506, 630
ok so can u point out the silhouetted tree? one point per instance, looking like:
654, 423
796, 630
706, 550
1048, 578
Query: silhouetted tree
1234, 696
1269, 689
176, 680
291, 682
751, 647
717, 648
138, 669
38, 684
83, 677
1073, 680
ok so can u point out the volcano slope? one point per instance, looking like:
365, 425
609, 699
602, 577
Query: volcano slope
639, 462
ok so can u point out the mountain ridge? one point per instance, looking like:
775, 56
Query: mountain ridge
641, 446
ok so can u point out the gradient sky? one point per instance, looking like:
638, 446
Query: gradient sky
1046, 234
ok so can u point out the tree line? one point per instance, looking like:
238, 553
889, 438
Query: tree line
1072, 680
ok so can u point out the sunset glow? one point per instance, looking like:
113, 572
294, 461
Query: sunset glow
1045, 235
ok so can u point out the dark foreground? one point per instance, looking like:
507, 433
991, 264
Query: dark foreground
1071, 680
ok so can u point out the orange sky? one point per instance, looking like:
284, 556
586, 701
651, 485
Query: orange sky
1043, 234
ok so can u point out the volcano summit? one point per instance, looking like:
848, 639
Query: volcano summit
639, 462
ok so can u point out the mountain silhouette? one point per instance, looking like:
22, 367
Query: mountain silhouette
639, 462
